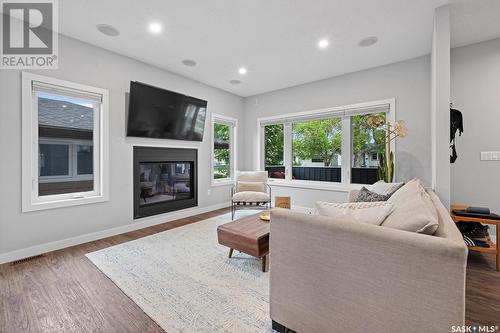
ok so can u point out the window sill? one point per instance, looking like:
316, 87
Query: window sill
36, 206
305, 184
225, 182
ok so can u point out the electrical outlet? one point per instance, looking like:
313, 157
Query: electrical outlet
490, 156
209, 191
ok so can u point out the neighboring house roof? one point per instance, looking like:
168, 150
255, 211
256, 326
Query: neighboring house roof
55, 113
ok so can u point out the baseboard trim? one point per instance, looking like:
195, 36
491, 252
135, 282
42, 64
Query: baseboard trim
77, 240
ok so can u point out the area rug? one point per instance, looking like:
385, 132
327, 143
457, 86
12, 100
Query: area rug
183, 279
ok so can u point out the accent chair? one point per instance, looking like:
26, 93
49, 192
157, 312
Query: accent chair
250, 189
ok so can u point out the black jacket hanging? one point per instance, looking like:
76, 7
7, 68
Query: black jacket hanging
456, 124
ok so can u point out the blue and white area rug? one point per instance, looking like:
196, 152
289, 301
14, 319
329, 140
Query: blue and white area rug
183, 279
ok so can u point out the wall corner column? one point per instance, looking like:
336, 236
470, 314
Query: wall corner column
440, 104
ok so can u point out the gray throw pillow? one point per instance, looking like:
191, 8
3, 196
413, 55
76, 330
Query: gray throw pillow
365, 195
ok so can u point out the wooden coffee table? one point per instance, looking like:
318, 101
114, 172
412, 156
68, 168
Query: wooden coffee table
249, 235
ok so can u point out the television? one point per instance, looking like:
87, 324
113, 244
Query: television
158, 113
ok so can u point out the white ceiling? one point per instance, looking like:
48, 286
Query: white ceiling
274, 39
474, 21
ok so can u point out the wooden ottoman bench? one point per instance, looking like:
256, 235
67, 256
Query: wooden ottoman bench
249, 235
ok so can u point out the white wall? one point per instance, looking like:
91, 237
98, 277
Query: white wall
407, 81
83, 63
440, 104
475, 90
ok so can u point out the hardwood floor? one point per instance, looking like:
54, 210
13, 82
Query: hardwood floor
482, 293
64, 292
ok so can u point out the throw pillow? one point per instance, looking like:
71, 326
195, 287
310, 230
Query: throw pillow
251, 186
413, 210
365, 195
381, 187
363, 212
251, 196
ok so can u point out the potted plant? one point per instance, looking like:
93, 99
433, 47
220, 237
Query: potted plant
392, 131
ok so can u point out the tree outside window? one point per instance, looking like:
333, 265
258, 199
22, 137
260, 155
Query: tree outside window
366, 142
315, 140
274, 141
222, 158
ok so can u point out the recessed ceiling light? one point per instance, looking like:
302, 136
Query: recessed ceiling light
189, 62
155, 27
108, 30
242, 70
368, 41
235, 81
323, 43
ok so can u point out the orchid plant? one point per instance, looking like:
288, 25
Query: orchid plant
393, 131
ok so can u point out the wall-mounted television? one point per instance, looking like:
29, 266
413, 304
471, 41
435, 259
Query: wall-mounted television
159, 113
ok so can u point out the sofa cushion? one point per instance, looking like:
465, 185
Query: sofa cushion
365, 195
251, 186
251, 196
381, 187
251, 176
413, 210
364, 212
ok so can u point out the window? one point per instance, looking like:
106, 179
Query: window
53, 160
317, 150
367, 145
223, 149
63, 160
334, 145
64, 144
84, 157
274, 136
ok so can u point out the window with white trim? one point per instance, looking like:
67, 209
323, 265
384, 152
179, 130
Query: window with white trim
64, 143
336, 145
223, 148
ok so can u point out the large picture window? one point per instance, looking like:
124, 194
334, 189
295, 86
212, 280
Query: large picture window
223, 149
326, 146
64, 143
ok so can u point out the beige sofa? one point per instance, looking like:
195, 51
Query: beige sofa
339, 276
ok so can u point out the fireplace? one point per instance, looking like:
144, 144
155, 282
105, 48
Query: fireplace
165, 179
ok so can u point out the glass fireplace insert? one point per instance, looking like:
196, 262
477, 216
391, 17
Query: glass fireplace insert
164, 181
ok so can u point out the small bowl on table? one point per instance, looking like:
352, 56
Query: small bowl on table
265, 216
